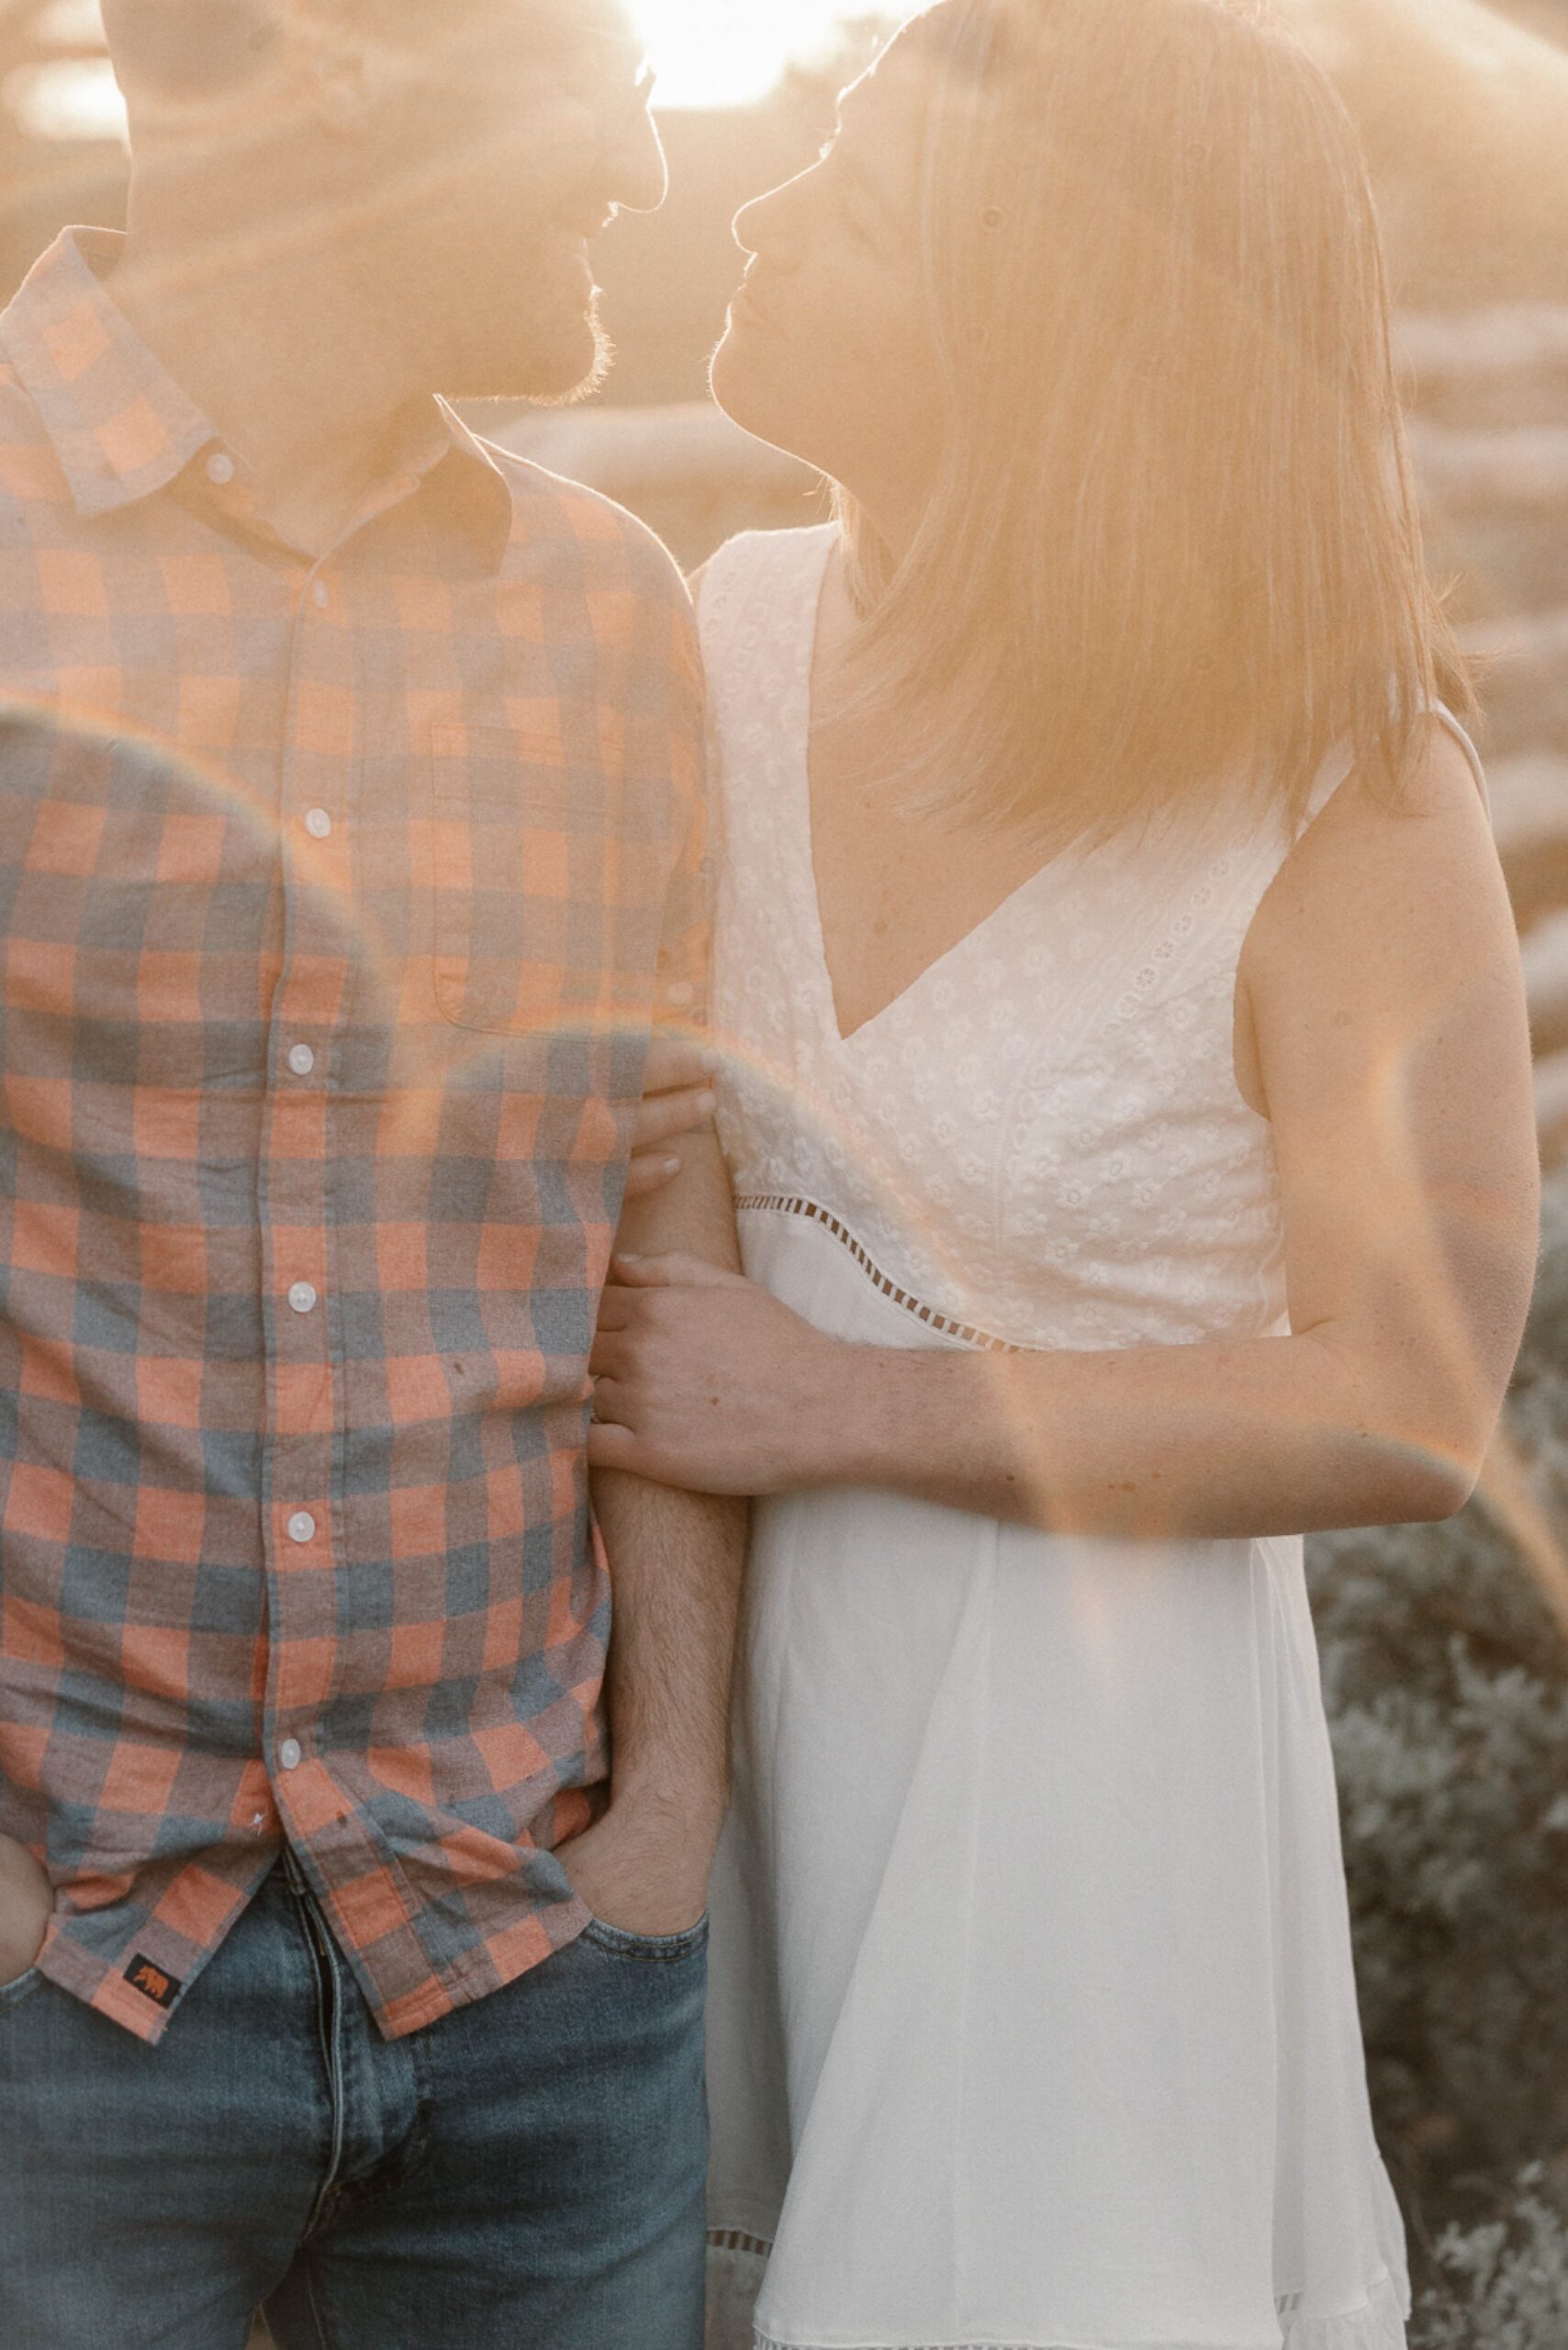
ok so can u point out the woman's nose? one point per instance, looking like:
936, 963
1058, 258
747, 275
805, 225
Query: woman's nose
765, 227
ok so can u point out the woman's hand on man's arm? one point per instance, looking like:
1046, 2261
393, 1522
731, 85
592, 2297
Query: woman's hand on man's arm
703, 1380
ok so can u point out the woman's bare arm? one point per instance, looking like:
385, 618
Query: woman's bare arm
1383, 986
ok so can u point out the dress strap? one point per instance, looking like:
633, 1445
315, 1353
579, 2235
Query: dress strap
1441, 711
1335, 768
1343, 757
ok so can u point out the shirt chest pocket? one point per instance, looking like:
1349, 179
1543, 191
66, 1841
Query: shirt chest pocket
527, 857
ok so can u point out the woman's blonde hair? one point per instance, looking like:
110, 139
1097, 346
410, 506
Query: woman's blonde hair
1173, 538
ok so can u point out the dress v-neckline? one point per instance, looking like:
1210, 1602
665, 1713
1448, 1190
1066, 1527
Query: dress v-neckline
813, 603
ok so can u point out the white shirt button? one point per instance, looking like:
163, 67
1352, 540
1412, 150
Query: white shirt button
302, 1526
302, 1297
221, 467
321, 594
290, 1754
318, 824
301, 1059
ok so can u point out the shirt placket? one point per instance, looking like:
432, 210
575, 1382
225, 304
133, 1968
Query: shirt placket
303, 1532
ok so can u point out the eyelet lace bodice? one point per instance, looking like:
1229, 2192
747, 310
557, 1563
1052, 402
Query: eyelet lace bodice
1042, 1138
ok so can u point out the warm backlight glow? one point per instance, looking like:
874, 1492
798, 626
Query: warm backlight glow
707, 53
722, 53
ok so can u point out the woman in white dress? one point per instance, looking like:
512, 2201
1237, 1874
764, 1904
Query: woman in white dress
1128, 1101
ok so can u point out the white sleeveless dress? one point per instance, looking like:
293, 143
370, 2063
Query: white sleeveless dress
1033, 2019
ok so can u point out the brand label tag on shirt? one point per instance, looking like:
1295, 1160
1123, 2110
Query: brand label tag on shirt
152, 1982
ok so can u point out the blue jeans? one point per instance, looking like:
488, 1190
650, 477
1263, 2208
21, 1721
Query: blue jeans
524, 2175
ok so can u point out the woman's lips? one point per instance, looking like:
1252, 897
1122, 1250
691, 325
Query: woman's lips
747, 311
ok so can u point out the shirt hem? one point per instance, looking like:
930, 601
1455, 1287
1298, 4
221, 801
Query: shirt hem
103, 1983
525, 1946
98, 1985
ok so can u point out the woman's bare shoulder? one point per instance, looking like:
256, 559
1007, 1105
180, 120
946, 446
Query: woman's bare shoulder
1385, 946
1380, 873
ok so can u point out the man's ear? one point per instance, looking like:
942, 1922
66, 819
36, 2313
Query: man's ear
337, 65
185, 50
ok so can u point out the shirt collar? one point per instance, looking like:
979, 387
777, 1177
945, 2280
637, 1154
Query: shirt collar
119, 423
487, 495
122, 428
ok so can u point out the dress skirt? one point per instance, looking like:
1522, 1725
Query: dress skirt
1033, 2022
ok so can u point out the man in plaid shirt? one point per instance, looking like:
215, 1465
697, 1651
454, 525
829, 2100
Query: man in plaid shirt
351, 843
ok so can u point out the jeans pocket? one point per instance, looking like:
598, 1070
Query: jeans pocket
657, 1949
20, 1987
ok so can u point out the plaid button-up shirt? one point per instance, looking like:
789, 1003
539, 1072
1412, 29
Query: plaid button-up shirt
339, 897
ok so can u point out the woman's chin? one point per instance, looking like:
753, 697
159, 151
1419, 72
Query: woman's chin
747, 388
729, 376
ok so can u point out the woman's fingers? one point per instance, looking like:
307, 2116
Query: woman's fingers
678, 1100
610, 1400
608, 1360
649, 1172
672, 1272
664, 1116
610, 1447
673, 1067
625, 1303
618, 1309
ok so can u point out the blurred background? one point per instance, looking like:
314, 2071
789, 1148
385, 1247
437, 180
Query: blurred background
1444, 1648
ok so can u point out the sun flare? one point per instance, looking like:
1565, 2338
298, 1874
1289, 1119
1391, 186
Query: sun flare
723, 52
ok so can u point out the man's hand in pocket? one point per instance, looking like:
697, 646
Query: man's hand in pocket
25, 1901
644, 1875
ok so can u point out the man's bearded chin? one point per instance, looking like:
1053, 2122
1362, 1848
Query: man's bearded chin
574, 382
557, 370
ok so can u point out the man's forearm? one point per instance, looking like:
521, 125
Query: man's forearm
676, 1566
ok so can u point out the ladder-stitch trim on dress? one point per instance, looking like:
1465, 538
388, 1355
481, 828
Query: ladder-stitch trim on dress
783, 1204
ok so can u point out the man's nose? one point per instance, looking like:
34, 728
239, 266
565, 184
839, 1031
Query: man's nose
638, 174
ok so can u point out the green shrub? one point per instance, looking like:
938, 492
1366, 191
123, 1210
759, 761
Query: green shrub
1502, 2285
1446, 1676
